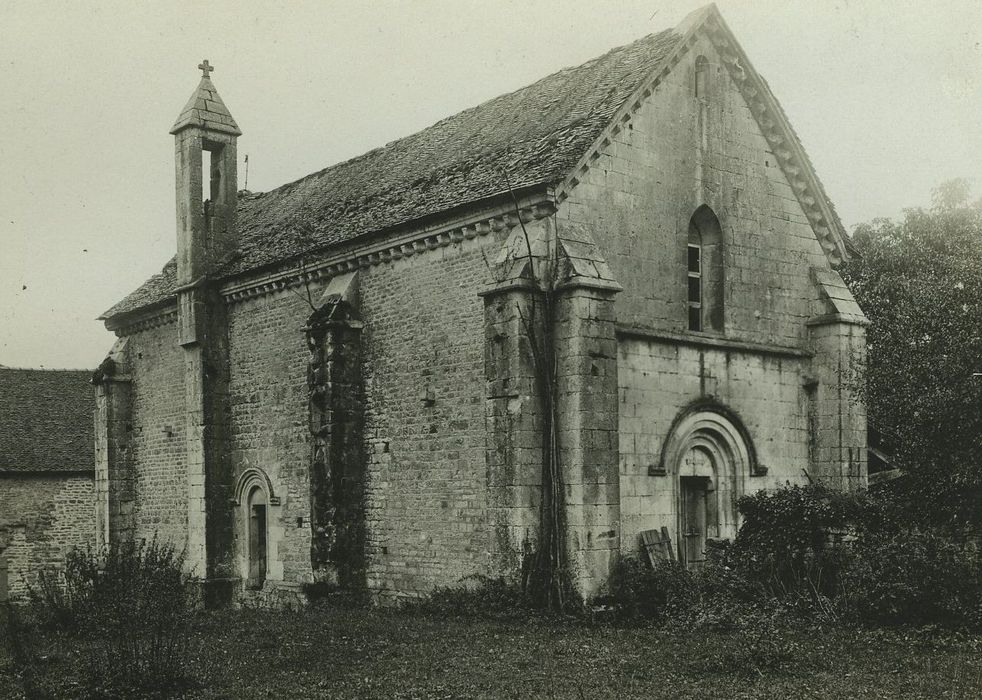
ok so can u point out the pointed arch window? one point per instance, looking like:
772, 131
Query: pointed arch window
704, 276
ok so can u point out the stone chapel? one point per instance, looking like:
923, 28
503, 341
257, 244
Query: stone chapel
342, 379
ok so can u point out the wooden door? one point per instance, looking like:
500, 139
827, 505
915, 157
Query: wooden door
257, 539
693, 519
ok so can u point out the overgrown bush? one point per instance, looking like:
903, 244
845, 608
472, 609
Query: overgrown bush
790, 542
712, 596
832, 554
637, 592
52, 599
816, 554
912, 577
135, 602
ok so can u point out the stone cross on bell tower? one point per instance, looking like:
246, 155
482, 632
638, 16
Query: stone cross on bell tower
205, 160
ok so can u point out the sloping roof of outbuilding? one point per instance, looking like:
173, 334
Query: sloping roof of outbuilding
46, 420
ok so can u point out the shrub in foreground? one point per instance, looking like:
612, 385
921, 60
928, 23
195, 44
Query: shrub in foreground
815, 554
650, 594
787, 547
132, 603
912, 577
712, 596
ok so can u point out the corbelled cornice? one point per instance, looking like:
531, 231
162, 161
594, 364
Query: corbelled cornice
331, 265
393, 249
783, 140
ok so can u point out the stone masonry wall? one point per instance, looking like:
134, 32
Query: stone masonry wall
423, 359
676, 154
268, 398
423, 347
158, 420
657, 381
41, 519
639, 195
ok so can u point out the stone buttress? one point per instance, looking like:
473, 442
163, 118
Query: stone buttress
569, 267
114, 487
336, 422
837, 414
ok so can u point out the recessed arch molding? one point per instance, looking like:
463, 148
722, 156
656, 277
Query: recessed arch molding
250, 478
715, 428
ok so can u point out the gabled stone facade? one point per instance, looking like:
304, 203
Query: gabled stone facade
341, 381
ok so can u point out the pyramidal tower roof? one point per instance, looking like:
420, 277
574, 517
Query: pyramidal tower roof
205, 109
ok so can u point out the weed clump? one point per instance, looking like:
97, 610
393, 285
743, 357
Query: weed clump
477, 596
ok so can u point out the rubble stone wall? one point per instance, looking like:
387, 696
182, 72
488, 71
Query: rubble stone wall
41, 519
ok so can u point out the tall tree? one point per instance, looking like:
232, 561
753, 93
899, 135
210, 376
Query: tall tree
920, 282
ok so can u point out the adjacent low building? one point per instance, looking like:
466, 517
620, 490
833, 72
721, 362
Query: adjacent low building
47, 472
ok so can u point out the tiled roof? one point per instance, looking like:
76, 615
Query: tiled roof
46, 420
536, 134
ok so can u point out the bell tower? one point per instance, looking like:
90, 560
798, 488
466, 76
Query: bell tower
205, 142
205, 139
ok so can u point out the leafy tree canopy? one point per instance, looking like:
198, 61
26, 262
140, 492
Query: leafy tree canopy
919, 281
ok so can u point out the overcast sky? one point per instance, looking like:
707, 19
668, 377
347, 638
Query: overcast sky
885, 95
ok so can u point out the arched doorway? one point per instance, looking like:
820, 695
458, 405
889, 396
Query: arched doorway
258, 539
698, 509
255, 498
709, 457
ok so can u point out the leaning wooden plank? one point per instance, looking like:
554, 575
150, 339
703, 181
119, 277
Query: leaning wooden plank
656, 546
668, 543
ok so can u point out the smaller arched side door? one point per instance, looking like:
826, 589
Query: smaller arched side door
254, 497
258, 540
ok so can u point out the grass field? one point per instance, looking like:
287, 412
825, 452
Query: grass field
337, 653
